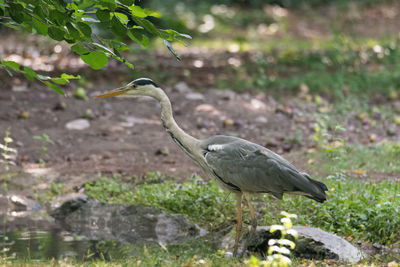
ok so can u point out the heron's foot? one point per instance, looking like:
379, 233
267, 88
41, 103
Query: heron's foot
250, 237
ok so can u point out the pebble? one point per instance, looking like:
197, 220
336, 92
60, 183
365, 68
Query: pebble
182, 87
79, 124
60, 106
24, 115
261, 119
194, 96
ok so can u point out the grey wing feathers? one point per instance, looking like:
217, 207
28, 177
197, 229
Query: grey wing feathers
253, 168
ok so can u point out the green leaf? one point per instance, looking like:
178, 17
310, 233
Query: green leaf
95, 59
39, 11
1, 12
16, 12
54, 87
69, 76
138, 11
104, 48
170, 48
152, 13
103, 15
58, 80
79, 49
11, 64
85, 29
110, 4
29, 73
147, 25
57, 17
117, 26
127, 2
56, 33
40, 27
73, 31
138, 37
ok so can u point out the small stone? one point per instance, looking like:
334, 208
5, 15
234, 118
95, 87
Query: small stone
228, 122
19, 88
238, 123
287, 147
372, 138
271, 143
257, 104
79, 124
22, 203
228, 95
24, 115
362, 116
377, 116
261, 119
88, 114
397, 120
60, 106
182, 87
390, 131
80, 93
162, 151
194, 96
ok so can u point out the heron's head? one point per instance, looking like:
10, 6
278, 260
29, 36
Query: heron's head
138, 87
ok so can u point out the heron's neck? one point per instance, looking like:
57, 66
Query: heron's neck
185, 141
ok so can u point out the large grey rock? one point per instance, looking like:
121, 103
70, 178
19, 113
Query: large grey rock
312, 243
125, 223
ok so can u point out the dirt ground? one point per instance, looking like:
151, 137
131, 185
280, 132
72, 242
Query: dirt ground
125, 136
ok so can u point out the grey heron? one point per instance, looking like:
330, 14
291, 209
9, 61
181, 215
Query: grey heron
238, 165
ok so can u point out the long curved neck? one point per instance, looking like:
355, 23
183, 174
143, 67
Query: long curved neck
188, 143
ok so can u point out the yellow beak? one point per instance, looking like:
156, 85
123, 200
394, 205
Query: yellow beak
119, 91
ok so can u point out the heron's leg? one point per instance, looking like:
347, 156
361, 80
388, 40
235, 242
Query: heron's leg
239, 223
253, 222
252, 215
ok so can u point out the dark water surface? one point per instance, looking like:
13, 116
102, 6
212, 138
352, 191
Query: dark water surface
39, 245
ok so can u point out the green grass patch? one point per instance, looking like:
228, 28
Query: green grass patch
368, 211
205, 202
372, 158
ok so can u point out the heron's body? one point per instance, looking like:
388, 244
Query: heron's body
239, 165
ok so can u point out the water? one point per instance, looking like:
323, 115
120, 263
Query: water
57, 244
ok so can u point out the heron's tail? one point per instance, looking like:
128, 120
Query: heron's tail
318, 194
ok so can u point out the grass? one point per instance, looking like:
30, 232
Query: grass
361, 159
365, 210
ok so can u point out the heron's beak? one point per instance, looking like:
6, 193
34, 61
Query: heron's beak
115, 92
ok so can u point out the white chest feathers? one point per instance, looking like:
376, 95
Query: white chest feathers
215, 147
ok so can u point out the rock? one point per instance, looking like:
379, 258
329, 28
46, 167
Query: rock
182, 87
261, 119
79, 124
391, 131
19, 88
21, 203
88, 114
313, 243
74, 200
257, 104
60, 106
162, 151
126, 223
24, 115
194, 96
228, 122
